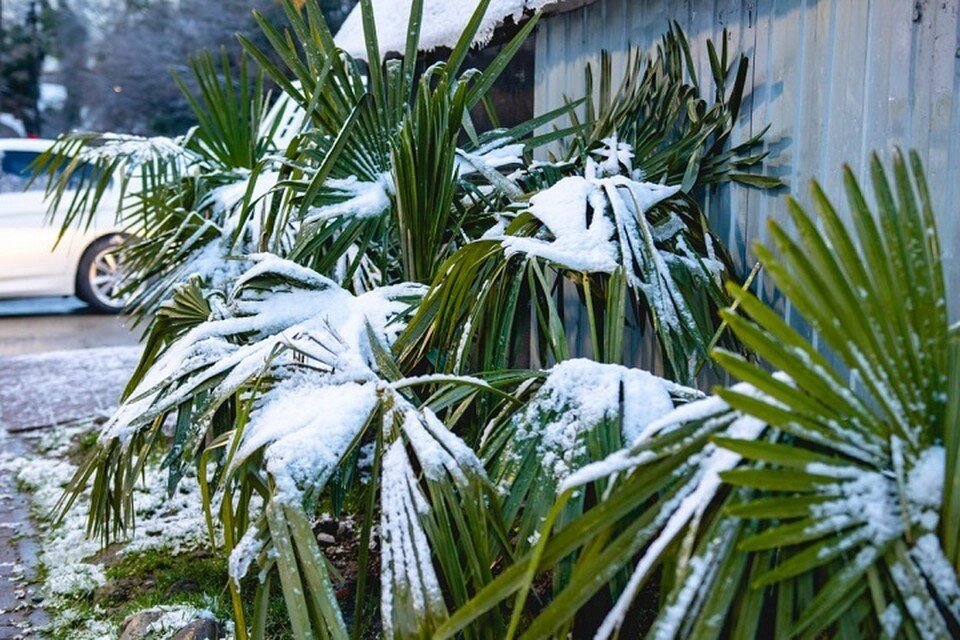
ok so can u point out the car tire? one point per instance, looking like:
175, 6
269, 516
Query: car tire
99, 274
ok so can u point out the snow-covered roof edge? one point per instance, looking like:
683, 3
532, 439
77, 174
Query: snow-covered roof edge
443, 22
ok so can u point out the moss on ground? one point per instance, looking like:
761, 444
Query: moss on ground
138, 581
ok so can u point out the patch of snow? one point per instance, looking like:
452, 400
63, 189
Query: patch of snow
172, 619
582, 241
406, 565
862, 498
135, 150
438, 449
244, 553
307, 426
614, 157
924, 490
171, 523
361, 200
891, 619
940, 574
577, 395
229, 196
712, 411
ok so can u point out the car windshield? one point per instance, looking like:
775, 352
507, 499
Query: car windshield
15, 172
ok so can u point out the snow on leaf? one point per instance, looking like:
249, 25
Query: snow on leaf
676, 514
577, 396
410, 589
713, 412
298, 307
614, 157
939, 573
244, 554
227, 199
438, 450
696, 582
305, 426
359, 199
924, 490
600, 221
581, 241
135, 150
862, 498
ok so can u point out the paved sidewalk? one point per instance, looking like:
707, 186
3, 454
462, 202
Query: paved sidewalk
35, 392
20, 606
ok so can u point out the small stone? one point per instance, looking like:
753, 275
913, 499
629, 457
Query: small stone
203, 629
326, 538
134, 627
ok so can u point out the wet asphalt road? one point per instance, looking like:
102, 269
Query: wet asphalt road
57, 324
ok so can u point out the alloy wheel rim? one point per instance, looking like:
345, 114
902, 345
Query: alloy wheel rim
106, 278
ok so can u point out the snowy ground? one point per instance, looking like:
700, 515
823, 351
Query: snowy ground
35, 391
62, 386
66, 389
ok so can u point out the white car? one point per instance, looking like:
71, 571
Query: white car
82, 264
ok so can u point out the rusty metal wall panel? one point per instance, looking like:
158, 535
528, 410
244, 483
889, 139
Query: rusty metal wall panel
836, 79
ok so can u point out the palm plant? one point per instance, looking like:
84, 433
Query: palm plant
319, 371
224, 354
816, 500
617, 216
187, 203
380, 167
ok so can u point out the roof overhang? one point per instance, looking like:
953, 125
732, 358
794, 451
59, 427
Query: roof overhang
443, 22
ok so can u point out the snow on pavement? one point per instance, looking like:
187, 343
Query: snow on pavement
36, 390
62, 386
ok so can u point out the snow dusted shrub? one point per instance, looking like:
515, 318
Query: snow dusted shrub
284, 364
819, 500
192, 205
616, 214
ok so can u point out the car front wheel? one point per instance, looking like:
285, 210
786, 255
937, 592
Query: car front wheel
99, 277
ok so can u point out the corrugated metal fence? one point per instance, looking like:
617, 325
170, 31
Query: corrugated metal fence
836, 79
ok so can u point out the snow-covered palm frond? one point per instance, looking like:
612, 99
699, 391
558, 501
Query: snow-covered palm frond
188, 204
583, 412
610, 233
824, 499
604, 221
439, 527
275, 306
304, 425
